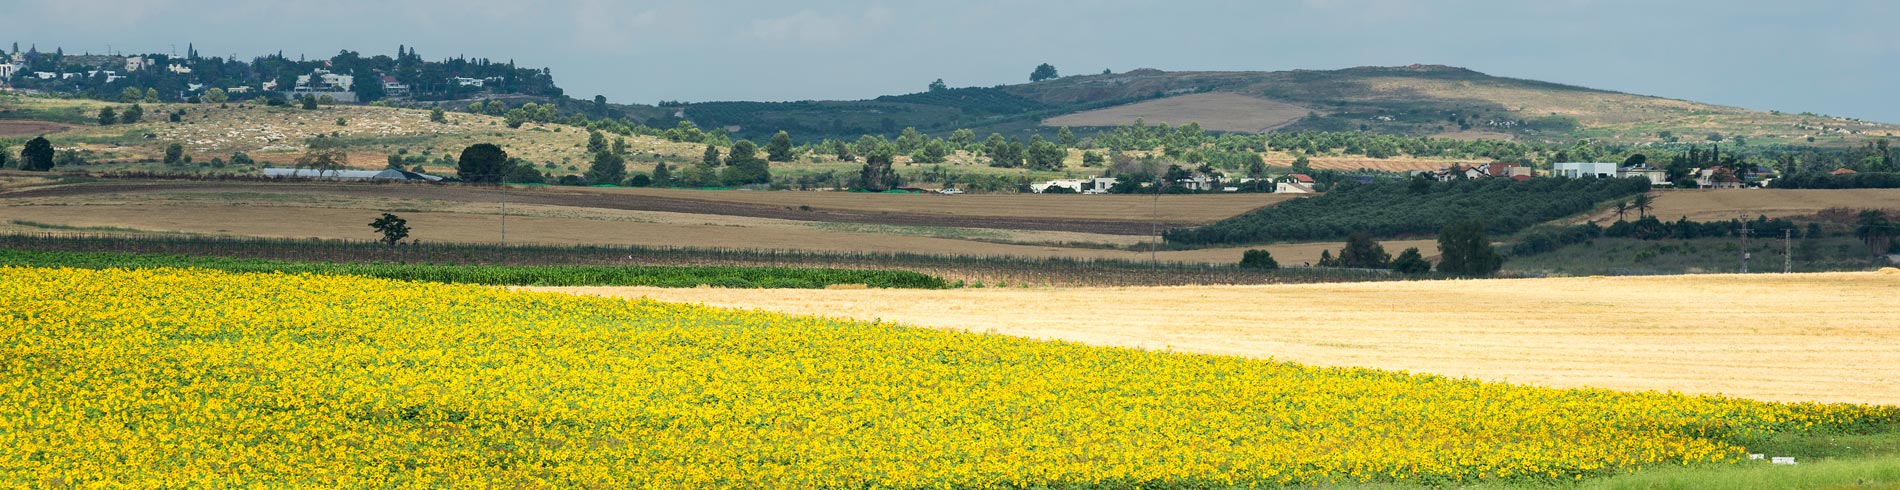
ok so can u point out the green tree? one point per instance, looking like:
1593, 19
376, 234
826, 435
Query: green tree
607, 168
1043, 71
1411, 262
132, 115
1465, 251
322, 155
130, 95
842, 150
877, 174
215, 96
1642, 203
151, 96
662, 176
938, 86
37, 156
620, 146
173, 153
309, 102
1258, 259
482, 163
1622, 208
1093, 159
107, 116
596, 142
780, 148
910, 140
963, 138
1043, 155
1363, 253
1301, 164
392, 228
1066, 137
936, 151
1875, 230
437, 116
743, 165
711, 157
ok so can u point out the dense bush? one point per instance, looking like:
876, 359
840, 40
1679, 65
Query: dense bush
1549, 239
1392, 209
1258, 259
1650, 228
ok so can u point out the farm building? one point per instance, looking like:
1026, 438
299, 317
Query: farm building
1094, 185
1295, 184
1578, 170
384, 174
1655, 175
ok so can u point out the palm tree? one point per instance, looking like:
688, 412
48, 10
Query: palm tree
1622, 208
1642, 204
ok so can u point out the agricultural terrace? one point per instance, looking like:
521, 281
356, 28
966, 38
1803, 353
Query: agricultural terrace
988, 225
110, 375
1797, 337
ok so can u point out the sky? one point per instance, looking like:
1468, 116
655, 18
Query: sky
1831, 57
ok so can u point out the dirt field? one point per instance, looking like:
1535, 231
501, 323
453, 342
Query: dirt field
555, 225
1802, 337
1724, 204
1118, 214
1218, 111
21, 129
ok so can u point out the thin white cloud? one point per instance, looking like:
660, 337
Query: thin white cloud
810, 28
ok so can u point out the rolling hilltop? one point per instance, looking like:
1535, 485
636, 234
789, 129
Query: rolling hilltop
1418, 100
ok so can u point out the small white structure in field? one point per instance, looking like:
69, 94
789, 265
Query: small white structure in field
1781, 460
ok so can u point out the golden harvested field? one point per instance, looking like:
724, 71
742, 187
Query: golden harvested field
1801, 337
1725, 204
1215, 111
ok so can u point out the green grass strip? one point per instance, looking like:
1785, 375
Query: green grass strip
504, 275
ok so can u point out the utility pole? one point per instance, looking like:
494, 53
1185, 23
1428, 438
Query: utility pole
1744, 219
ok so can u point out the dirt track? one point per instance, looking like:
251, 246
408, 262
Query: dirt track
1119, 215
1800, 337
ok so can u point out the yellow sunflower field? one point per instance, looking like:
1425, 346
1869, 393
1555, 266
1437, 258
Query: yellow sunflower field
191, 378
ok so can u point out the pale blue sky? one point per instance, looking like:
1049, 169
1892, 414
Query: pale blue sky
1834, 57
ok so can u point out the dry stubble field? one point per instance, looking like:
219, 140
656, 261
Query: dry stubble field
1802, 337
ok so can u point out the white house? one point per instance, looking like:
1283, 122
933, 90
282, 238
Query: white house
1655, 175
1294, 184
137, 63
1578, 170
394, 88
324, 82
238, 89
7, 70
177, 68
468, 82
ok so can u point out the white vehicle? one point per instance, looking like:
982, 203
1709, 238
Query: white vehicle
950, 191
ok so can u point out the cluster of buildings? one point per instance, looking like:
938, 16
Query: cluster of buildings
1290, 183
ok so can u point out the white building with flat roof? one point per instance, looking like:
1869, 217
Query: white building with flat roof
1578, 170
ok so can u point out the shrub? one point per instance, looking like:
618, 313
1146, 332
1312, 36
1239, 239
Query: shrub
1258, 259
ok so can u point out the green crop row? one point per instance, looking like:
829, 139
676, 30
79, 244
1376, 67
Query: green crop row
509, 275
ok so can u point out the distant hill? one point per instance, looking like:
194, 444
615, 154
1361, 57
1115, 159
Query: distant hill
1417, 100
